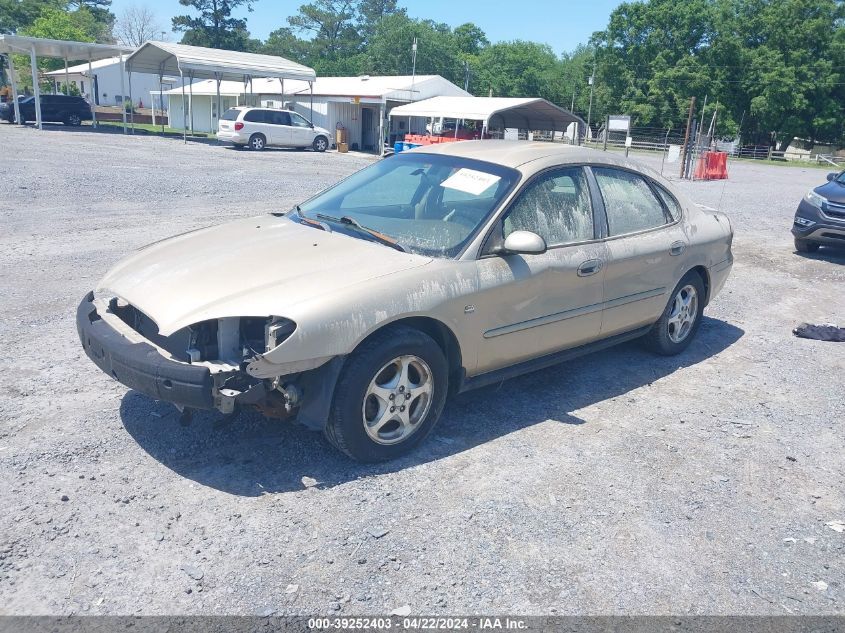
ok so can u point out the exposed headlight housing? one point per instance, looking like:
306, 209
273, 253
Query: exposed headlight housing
815, 199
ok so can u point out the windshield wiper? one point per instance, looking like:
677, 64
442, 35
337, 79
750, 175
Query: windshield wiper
350, 221
306, 220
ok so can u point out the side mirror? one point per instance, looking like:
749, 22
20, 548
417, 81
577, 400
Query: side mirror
524, 243
832, 176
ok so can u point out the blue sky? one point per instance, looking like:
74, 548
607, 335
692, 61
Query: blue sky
563, 24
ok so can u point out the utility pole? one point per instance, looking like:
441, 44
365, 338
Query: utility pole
413, 75
466, 76
591, 81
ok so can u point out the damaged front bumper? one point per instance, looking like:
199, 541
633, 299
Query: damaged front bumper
140, 365
303, 388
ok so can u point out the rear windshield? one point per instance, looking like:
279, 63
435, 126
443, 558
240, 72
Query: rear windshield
231, 115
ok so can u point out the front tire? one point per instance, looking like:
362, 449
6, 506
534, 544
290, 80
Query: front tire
681, 319
806, 246
389, 395
321, 144
73, 120
257, 142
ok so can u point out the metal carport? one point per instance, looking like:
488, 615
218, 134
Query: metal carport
196, 62
507, 112
37, 47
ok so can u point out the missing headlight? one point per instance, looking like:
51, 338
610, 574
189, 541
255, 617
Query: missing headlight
277, 331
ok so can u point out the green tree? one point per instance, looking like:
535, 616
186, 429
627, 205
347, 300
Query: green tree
331, 27
55, 24
775, 65
101, 11
470, 39
371, 12
519, 69
18, 14
214, 26
390, 49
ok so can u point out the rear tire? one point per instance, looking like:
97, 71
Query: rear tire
681, 319
257, 142
806, 246
396, 368
321, 144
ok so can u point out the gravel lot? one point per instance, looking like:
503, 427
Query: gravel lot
619, 483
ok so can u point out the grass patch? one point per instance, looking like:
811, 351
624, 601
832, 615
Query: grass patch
155, 129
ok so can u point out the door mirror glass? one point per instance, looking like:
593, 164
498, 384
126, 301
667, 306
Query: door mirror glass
525, 243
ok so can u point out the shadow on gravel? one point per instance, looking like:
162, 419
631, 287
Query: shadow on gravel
267, 150
253, 455
59, 128
826, 253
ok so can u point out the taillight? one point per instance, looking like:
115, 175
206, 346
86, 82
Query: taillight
239, 126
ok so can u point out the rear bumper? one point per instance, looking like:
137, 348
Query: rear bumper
232, 137
141, 366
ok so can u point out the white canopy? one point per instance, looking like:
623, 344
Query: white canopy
164, 58
37, 47
505, 112
72, 51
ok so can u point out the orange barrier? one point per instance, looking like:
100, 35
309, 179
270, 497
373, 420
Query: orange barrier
712, 166
425, 139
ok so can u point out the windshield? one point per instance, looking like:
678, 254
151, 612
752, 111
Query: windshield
841, 178
429, 204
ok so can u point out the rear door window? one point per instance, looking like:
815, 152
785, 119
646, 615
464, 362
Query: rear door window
672, 205
256, 116
629, 202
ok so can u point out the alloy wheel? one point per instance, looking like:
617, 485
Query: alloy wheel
684, 313
397, 399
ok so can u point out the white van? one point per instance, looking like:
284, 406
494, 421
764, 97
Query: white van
258, 128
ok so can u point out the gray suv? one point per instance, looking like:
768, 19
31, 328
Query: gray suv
820, 217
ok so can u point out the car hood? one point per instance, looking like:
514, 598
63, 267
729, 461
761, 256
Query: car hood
252, 267
833, 191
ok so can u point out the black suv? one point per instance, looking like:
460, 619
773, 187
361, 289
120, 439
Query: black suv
54, 109
820, 218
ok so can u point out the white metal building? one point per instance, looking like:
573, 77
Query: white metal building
360, 104
108, 83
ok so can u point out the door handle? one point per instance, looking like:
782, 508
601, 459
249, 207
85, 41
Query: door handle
677, 248
590, 267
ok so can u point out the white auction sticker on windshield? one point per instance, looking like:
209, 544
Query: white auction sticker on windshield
470, 181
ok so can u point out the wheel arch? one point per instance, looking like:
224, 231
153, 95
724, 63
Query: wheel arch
705, 279
442, 335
